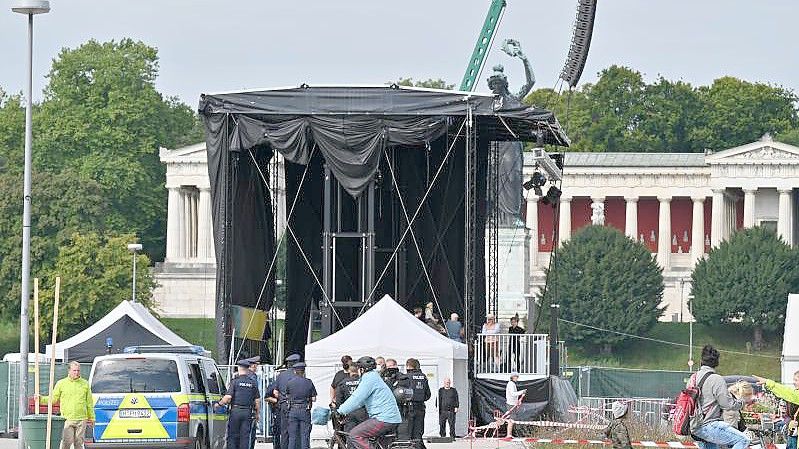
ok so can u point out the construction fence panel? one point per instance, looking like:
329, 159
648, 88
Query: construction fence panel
654, 412
9, 383
590, 381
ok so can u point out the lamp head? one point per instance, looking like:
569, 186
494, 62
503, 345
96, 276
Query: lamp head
133, 247
31, 6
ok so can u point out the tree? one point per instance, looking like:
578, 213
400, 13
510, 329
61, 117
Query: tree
63, 204
746, 280
739, 112
430, 83
96, 274
601, 278
621, 112
103, 118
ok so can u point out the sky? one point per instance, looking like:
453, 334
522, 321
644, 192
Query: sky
212, 46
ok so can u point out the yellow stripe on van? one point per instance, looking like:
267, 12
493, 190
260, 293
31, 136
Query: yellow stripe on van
150, 427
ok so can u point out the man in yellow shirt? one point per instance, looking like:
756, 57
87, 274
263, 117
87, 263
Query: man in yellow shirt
75, 399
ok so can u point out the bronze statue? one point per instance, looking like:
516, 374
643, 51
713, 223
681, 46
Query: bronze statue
511, 160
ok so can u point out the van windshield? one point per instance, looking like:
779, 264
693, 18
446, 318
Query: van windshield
136, 375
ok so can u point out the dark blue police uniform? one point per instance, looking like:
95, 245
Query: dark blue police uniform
280, 385
300, 393
274, 415
243, 391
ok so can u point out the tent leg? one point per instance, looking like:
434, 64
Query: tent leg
327, 256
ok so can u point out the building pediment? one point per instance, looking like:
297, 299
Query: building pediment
764, 151
189, 154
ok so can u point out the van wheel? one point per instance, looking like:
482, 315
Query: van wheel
199, 441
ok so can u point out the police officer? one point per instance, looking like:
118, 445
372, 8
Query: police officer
245, 402
274, 414
300, 395
280, 392
412, 427
254, 362
344, 390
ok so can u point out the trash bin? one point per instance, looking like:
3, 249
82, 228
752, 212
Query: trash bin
34, 431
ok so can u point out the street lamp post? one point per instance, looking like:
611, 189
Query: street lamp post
30, 8
134, 248
691, 333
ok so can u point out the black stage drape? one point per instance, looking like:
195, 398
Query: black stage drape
357, 132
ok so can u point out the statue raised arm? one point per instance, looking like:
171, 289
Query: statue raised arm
513, 48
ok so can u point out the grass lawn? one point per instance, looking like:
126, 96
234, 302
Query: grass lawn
654, 355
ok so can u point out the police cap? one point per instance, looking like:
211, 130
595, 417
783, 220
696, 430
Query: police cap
299, 366
254, 360
293, 358
243, 363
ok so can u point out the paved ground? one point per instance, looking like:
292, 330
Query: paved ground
7, 443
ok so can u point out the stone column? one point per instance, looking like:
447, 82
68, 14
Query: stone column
664, 232
784, 216
532, 225
183, 220
717, 219
187, 219
698, 229
173, 225
631, 217
565, 221
204, 234
194, 224
749, 207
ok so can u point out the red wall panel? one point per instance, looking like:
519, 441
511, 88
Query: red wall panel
681, 215
546, 227
708, 222
615, 212
739, 213
581, 213
648, 209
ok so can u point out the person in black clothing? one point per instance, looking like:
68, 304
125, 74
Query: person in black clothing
344, 390
514, 353
447, 408
340, 375
412, 427
245, 401
391, 374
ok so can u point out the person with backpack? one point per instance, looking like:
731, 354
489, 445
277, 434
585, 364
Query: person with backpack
707, 426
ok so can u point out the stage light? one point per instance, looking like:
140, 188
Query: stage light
535, 182
552, 197
581, 42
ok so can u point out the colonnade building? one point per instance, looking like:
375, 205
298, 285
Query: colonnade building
678, 204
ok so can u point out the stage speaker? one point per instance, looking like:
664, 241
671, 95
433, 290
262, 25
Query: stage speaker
581, 42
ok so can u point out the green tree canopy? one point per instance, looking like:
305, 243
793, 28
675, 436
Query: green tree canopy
430, 83
601, 278
746, 280
103, 118
96, 275
622, 112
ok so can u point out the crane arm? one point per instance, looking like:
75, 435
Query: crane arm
483, 45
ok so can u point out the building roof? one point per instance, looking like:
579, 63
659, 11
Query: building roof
634, 159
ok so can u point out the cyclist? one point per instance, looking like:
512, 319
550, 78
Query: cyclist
381, 406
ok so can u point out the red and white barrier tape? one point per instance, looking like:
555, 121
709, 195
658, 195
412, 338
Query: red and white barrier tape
669, 444
559, 424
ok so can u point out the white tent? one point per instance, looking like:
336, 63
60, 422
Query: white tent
790, 341
128, 324
388, 330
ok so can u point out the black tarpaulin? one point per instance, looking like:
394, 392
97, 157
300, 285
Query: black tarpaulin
351, 130
548, 398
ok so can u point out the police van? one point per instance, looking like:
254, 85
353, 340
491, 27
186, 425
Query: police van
157, 396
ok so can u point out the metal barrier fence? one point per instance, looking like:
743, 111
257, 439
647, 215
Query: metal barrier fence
505, 353
9, 383
654, 412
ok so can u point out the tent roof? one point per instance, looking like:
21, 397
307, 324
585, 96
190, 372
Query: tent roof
387, 329
496, 119
136, 312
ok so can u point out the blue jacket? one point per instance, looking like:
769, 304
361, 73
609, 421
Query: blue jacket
375, 395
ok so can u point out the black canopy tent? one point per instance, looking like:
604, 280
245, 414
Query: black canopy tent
360, 163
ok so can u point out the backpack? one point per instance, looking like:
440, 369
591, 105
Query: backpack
687, 407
